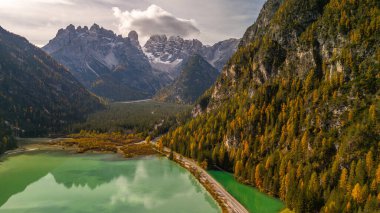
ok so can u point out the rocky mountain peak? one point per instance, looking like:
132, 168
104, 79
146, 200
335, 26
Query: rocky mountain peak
70, 27
133, 35
134, 38
176, 39
95, 30
167, 53
158, 38
108, 65
95, 27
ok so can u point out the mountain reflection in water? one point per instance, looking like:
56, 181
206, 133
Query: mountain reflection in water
61, 182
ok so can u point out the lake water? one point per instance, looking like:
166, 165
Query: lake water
58, 182
252, 199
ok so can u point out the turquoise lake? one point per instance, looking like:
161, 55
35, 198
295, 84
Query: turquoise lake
55, 182
252, 199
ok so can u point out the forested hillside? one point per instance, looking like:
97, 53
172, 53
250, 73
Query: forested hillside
38, 95
296, 111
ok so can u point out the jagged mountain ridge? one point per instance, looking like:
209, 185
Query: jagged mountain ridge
168, 53
108, 65
196, 76
37, 95
116, 68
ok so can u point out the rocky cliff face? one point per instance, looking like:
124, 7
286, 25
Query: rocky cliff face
260, 27
196, 76
285, 41
108, 65
167, 54
38, 95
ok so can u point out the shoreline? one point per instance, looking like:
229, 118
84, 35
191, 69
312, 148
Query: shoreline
26, 145
225, 201
132, 102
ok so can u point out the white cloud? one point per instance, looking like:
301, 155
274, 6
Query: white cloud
154, 20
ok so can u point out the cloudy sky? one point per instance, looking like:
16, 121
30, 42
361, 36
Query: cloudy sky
208, 20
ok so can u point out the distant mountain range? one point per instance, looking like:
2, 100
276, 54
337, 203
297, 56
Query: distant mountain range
41, 93
118, 68
108, 65
167, 54
196, 76
38, 95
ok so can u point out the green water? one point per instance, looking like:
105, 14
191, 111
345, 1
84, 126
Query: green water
252, 199
60, 182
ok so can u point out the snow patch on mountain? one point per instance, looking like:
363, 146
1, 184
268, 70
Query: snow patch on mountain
109, 65
168, 53
111, 60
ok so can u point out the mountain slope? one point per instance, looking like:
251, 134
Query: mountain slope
295, 112
168, 54
219, 54
108, 65
195, 78
37, 95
